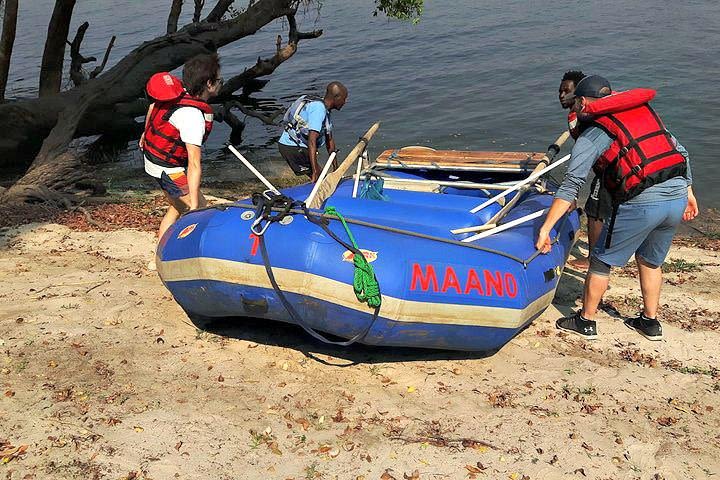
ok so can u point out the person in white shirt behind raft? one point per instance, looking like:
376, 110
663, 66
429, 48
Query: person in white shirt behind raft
177, 124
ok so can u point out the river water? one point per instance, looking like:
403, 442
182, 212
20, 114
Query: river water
470, 75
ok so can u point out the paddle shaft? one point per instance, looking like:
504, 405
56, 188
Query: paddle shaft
331, 182
253, 170
549, 157
323, 174
543, 167
505, 226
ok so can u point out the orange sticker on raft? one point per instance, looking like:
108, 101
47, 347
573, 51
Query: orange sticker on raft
187, 231
349, 256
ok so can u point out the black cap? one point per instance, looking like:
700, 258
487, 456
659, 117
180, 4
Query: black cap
593, 86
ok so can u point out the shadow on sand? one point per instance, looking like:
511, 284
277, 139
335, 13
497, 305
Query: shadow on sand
275, 333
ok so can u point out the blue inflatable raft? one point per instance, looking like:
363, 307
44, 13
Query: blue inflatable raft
438, 289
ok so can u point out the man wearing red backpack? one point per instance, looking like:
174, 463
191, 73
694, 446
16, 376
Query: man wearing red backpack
647, 172
177, 124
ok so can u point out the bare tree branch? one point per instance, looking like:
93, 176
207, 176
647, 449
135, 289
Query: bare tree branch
175, 10
266, 66
199, 4
98, 70
266, 119
220, 8
237, 126
9, 23
76, 58
54, 51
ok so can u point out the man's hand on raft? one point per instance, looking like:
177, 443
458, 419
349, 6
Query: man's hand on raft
558, 208
543, 242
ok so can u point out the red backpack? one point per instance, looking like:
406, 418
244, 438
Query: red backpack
162, 143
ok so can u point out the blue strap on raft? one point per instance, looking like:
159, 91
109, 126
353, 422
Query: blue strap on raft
365, 283
372, 189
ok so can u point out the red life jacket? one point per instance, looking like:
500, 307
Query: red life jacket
643, 152
162, 144
573, 125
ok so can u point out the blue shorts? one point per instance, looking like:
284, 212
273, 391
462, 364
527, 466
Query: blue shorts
645, 229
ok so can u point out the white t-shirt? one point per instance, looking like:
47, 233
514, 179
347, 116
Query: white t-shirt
190, 121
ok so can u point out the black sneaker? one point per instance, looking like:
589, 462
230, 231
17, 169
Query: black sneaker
649, 328
578, 325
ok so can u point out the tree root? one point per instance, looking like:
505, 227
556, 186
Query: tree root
88, 218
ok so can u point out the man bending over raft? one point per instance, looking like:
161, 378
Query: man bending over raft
598, 205
647, 172
308, 126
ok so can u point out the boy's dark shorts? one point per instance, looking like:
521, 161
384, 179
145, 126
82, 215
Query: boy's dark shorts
599, 203
175, 184
298, 158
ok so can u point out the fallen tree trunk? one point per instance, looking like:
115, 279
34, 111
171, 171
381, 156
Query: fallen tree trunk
102, 104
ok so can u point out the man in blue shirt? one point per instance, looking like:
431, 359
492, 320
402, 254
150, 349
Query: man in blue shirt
308, 126
644, 225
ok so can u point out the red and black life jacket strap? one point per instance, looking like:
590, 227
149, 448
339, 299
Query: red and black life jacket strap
158, 157
632, 141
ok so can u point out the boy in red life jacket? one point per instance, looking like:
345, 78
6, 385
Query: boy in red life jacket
176, 126
647, 173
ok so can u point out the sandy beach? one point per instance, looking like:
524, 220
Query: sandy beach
104, 376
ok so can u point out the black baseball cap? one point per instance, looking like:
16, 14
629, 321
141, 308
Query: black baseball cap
593, 86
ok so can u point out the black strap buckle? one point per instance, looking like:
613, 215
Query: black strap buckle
266, 202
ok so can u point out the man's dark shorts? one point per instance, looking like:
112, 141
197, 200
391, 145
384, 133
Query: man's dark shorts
298, 159
599, 203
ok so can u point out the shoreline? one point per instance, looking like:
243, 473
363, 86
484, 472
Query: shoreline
104, 376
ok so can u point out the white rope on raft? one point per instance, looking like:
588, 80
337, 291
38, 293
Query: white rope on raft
361, 160
259, 175
320, 179
519, 185
506, 226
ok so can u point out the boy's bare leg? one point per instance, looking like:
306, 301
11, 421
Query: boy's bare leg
178, 206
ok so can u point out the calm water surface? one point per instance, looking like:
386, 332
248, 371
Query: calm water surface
471, 75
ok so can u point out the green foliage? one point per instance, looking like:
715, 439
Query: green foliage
401, 9
679, 265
